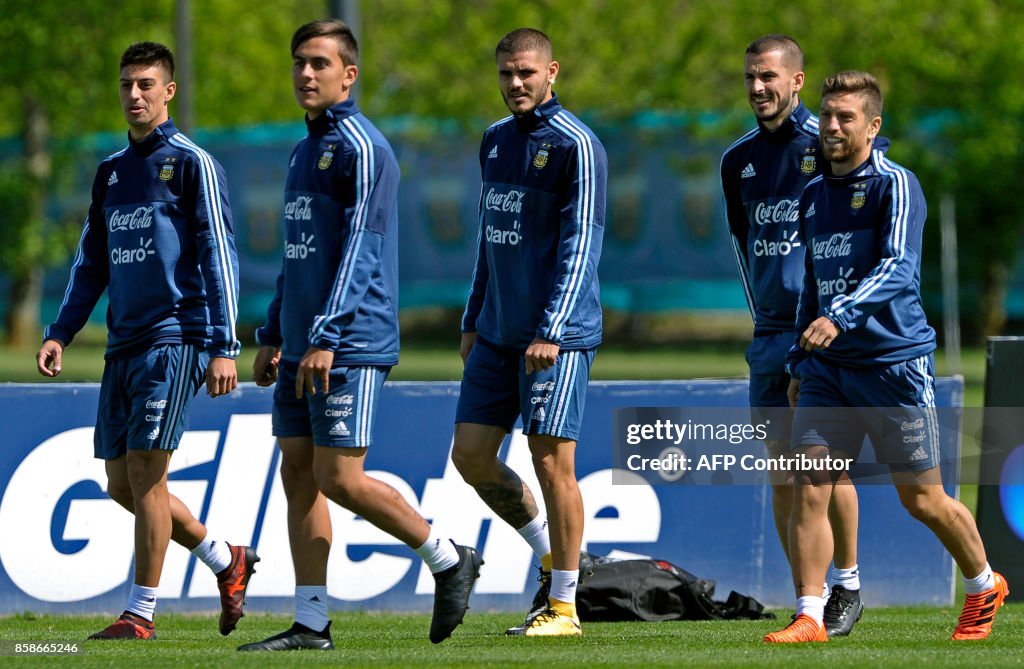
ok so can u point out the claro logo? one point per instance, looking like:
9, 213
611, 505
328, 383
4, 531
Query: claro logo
56, 494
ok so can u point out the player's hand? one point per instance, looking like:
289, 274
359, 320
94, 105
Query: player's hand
264, 366
793, 392
221, 376
315, 364
466, 345
540, 355
819, 334
48, 358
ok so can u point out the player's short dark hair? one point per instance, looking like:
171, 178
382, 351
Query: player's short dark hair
524, 39
149, 53
792, 54
348, 47
854, 81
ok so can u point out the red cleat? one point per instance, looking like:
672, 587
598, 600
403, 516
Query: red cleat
232, 583
128, 626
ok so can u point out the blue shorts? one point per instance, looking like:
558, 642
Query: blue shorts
893, 405
496, 390
342, 417
769, 384
144, 399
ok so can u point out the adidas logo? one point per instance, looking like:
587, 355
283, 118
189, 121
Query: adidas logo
113, 179
494, 152
810, 211
339, 429
538, 415
315, 598
919, 454
748, 172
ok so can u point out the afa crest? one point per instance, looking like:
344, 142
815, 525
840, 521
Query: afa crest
808, 164
326, 157
167, 170
541, 159
859, 199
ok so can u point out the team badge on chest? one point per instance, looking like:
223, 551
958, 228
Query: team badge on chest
167, 169
808, 163
326, 157
859, 197
541, 159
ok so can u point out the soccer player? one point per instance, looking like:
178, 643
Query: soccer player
533, 318
158, 238
763, 174
331, 337
864, 342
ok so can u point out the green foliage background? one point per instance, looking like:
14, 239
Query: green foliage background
954, 109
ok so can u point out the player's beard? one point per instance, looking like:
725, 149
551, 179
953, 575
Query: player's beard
782, 109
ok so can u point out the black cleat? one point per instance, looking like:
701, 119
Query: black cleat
843, 609
296, 637
540, 599
451, 593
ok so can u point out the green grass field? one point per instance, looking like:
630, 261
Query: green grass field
83, 361
892, 637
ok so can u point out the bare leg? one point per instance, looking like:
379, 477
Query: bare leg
923, 496
475, 455
340, 476
309, 521
782, 493
554, 461
186, 529
844, 515
147, 475
810, 535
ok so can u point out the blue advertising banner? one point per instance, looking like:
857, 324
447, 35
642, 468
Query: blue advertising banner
65, 547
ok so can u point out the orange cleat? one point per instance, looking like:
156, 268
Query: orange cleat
803, 629
980, 610
232, 582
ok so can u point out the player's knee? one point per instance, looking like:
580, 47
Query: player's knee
921, 507
121, 493
296, 477
344, 491
471, 466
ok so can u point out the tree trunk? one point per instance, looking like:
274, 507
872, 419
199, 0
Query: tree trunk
993, 299
26, 294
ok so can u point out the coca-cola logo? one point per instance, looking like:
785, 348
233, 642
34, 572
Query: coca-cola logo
299, 209
140, 218
836, 246
783, 211
511, 201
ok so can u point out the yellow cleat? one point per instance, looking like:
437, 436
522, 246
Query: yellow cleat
980, 611
803, 629
550, 623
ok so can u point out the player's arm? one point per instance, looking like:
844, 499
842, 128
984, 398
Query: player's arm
582, 212
807, 304
739, 226
481, 273
218, 264
904, 210
90, 276
360, 259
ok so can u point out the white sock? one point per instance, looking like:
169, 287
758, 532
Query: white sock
825, 591
438, 553
563, 585
311, 606
980, 583
142, 601
812, 606
214, 554
535, 533
848, 578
